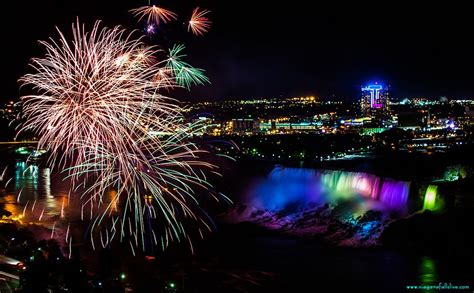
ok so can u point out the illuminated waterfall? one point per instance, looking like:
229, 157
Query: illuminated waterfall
296, 187
430, 198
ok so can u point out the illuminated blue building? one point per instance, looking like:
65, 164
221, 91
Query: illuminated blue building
375, 102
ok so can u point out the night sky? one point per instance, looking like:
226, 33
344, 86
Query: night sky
265, 49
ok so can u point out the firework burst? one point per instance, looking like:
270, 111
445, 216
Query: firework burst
100, 113
150, 29
185, 74
199, 23
88, 88
154, 14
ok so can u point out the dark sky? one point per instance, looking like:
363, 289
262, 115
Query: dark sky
266, 48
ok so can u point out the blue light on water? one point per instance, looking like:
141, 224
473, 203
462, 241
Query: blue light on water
295, 188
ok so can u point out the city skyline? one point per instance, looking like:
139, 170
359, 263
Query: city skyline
199, 146
294, 50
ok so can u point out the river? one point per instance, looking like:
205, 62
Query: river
236, 258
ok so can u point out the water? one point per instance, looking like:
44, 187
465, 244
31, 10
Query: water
34, 195
242, 257
29, 194
256, 261
289, 186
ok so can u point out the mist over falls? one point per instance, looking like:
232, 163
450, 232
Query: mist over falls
349, 208
299, 187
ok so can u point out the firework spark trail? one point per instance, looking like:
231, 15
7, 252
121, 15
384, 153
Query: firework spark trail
70, 247
52, 230
67, 232
62, 208
24, 209
153, 180
100, 112
41, 215
199, 23
186, 75
8, 181
3, 173
154, 14
19, 195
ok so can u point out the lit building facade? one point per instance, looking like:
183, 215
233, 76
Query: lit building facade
375, 103
242, 126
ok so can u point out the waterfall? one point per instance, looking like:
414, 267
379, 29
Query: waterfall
429, 202
290, 187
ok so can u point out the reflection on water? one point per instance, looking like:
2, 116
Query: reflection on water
427, 272
42, 196
29, 196
33, 180
36, 194
10, 205
113, 198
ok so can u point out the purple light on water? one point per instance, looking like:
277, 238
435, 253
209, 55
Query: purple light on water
394, 194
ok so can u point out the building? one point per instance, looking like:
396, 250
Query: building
375, 103
242, 126
288, 126
10, 110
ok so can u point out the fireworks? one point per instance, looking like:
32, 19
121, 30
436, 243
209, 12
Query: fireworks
185, 74
150, 29
154, 14
87, 89
199, 23
100, 113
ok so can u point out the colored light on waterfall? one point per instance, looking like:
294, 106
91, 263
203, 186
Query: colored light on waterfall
394, 194
297, 187
430, 198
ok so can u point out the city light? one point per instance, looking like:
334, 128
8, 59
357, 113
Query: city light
304, 148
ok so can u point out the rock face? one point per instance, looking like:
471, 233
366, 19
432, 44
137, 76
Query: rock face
443, 233
342, 207
334, 223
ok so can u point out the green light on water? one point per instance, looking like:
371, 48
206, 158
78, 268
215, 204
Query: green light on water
430, 198
428, 274
22, 151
